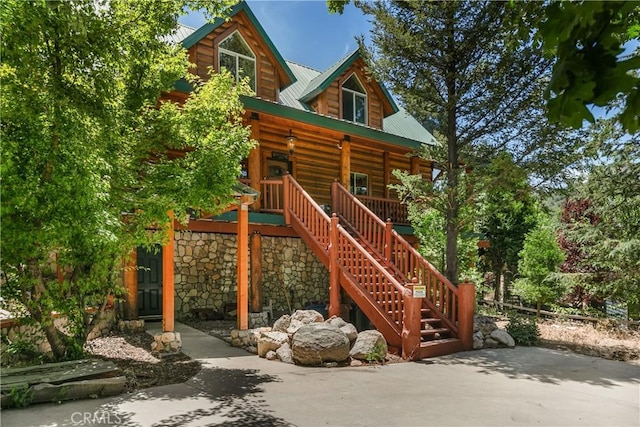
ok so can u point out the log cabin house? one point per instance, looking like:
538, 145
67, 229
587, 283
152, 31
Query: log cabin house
316, 223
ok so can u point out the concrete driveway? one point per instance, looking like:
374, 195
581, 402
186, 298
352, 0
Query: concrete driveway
519, 387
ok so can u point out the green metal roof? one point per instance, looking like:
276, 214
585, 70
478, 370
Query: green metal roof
202, 32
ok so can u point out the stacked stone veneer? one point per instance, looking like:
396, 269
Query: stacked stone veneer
205, 272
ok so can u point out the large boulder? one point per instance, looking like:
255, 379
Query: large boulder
318, 343
336, 321
271, 341
303, 317
368, 344
350, 331
503, 338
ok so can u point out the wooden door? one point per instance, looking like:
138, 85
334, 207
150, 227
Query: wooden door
149, 282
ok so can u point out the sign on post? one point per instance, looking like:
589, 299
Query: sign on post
419, 291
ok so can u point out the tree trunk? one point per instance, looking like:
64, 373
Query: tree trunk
453, 205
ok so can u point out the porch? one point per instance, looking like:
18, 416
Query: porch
271, 200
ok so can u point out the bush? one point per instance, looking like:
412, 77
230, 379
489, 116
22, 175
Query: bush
524, 330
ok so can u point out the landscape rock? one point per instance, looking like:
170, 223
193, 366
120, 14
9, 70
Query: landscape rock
478, 340
282, 323
307, 316
484, 324
318, 343
491, 343
271, 355
356, 362
271, 341
336, 321
350, 331
503, 338
366, 343
284, 353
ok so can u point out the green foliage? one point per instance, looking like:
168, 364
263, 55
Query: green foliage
89, 162
377, 354
523, 330
608, 231
20, 396
507, 213
539, 259
586, 39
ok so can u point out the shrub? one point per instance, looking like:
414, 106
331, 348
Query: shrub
524, 330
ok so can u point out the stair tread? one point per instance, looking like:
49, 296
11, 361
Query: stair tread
440, 341
434, 331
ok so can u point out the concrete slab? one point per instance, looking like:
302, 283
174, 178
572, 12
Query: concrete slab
519, 387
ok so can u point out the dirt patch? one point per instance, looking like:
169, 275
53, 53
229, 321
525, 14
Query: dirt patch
601, 340
131, 353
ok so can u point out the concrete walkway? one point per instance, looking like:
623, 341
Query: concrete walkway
520, 387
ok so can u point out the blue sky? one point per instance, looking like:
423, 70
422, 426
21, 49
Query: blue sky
304, 31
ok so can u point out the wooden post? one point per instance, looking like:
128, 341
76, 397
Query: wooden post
130, 282
345, 164
243, 261
256, 272
388, 228
254, 162
386, 168
466, 308
334, 269
335, 208
286, 201
411, 318
168, 285
414, 165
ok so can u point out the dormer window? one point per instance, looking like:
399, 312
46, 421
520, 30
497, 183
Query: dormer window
354, 101
235, 55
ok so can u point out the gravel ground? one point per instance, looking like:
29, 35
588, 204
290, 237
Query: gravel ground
131, 353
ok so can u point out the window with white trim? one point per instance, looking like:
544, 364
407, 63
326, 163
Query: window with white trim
354, 101
359, 184
235, 55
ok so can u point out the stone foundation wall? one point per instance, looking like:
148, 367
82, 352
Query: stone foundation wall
205, 272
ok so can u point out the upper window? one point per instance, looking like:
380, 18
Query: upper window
354, 101
235, 55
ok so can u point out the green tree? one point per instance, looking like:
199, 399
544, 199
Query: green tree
608, 232
89, 162
539, 259
508, 212
586, 39
463, 70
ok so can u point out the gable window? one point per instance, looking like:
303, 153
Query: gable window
359, 183
354, 101
235, 55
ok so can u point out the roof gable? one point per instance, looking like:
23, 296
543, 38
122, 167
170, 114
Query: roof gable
321, 82
286, 75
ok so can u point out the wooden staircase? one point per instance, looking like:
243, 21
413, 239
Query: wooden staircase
380, 272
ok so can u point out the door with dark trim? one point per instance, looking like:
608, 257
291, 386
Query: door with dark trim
150, 281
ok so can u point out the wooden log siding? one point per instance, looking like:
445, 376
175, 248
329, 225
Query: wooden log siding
371, 162
205, 55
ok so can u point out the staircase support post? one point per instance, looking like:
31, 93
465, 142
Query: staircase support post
285, 198
388, 227
334, 269
466, 308
411, 323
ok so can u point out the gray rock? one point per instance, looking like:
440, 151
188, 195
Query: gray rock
307, 316
366, 343
356, 362
336, 321
271, 341
271, 355
284, 353
318, 343
478, 342
484, 324
503, 337
350, 331
282, 323
491, 343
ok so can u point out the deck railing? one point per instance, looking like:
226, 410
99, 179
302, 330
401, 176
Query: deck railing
441, 294
387, 209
